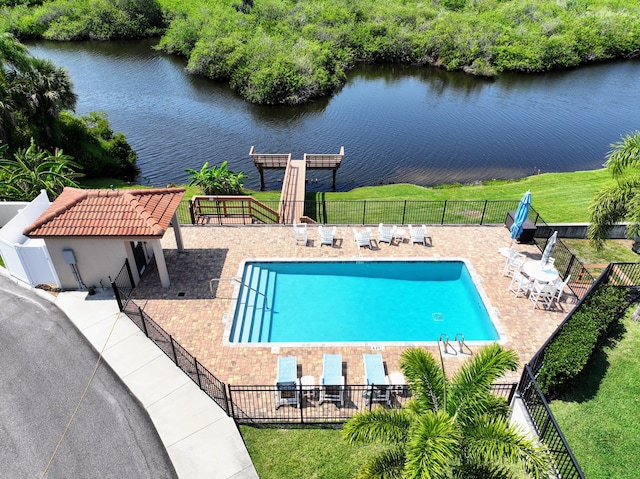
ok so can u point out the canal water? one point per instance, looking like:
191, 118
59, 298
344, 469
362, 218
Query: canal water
398, 124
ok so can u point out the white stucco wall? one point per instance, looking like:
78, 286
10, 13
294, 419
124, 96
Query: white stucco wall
97, 259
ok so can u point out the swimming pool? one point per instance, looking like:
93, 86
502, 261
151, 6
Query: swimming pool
358, 301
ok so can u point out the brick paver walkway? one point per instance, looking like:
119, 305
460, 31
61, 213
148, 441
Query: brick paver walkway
187, 311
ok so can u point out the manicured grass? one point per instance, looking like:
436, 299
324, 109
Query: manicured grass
613, 251
558, 197
312, 453
599, 417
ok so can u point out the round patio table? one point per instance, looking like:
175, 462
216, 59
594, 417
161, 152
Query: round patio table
535, 270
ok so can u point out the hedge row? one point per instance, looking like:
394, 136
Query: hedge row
568, 353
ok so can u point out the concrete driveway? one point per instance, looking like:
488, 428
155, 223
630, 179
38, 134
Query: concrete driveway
45, 365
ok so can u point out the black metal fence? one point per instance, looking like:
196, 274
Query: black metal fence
625, 275
211, 385
547, 428
378, 211
567, 264
305, 405
123, 284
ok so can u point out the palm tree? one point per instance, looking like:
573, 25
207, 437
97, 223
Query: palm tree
32, 170
41, 93
621, 201
450, 429
14, 58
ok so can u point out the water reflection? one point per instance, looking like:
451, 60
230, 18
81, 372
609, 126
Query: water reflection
397, 123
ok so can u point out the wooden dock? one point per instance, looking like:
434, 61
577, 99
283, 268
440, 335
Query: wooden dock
291, 206
295, 177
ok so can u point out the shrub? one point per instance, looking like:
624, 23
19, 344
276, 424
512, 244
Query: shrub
217, 180
569, 351
95, 147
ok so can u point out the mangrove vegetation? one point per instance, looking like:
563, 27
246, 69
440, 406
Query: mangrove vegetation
291, 51
37, 123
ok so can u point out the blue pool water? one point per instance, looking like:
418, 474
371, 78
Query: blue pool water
358, 301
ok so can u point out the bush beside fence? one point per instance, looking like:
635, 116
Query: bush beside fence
625, 277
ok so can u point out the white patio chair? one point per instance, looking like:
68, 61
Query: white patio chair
300, 232
385, 233
418, 234
560, 287
326, 235
362, 237
520, 284
542, 293
513, 263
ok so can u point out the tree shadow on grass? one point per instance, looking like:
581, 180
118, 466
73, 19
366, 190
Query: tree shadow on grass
585, 386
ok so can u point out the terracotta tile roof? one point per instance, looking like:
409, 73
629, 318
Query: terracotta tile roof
108, 213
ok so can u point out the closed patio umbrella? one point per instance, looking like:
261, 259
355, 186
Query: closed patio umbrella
546, 254
520, 216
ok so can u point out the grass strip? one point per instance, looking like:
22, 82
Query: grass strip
558, 197
312, 453
599, 417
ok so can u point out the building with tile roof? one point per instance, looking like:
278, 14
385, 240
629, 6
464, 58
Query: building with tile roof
90, 233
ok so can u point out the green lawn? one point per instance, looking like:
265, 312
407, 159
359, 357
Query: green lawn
558, 197
310, 453
600, 415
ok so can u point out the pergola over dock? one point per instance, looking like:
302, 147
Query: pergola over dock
280, 161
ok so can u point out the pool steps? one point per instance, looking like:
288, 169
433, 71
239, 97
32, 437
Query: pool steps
254, 308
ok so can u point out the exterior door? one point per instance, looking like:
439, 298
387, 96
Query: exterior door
139, 255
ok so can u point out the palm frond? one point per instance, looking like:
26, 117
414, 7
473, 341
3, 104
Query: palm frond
385, 464
424, 377
432, 447
492, 440
387, 426
471, 384
485, 470
610, 206
624, 154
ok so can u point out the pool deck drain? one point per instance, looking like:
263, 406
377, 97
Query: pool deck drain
198, 321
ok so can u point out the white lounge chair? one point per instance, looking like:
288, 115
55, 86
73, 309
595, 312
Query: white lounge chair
385, 233
326, 235
287, 383
332, 380
300, 232
376, 379
513, 263
542, 293
362, 237
418, 234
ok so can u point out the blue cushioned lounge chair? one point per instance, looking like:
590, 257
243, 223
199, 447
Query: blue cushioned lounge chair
287, 383
332, 380
376, 379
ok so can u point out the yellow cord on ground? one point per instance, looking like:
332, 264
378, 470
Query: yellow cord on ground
82, 396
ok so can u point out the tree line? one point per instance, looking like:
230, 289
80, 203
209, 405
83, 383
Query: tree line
291, 51
37, 128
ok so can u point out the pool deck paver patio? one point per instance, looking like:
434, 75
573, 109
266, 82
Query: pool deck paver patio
187, 311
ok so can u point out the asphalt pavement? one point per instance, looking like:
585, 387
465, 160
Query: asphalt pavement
45, 366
